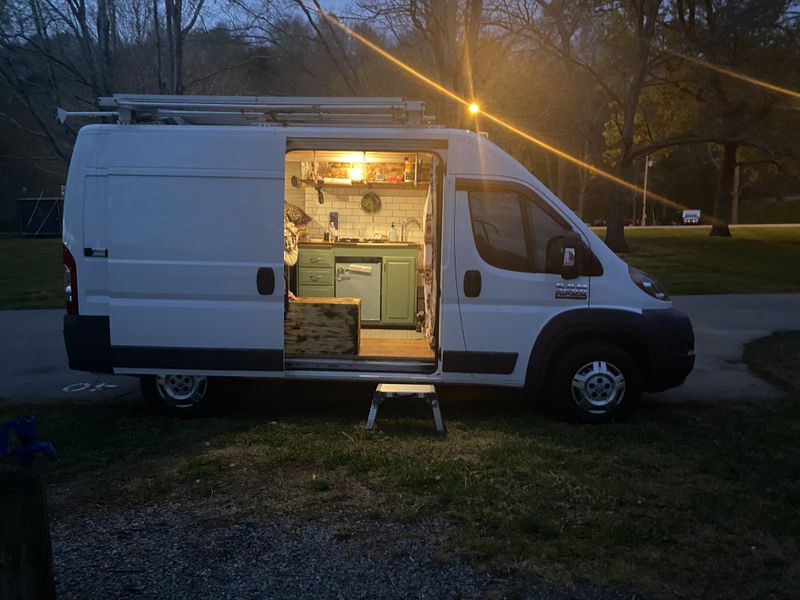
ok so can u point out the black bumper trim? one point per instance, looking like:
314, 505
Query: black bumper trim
498, 363
207, 359
88, 343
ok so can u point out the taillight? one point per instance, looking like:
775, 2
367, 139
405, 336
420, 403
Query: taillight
70, 282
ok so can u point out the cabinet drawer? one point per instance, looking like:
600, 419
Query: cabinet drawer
310, 276
311, 257
315, 291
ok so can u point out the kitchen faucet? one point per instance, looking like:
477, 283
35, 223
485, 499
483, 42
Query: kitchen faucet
404, 224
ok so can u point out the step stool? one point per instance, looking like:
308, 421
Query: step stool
397, 390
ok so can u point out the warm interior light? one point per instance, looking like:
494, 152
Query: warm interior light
351, 157
356, 173
474, 108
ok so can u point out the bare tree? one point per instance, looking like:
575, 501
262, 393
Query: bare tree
176, 35
450, 31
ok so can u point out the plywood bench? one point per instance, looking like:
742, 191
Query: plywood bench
323, 327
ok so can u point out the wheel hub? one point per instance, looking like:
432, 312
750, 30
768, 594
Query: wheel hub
598, 387
181, 390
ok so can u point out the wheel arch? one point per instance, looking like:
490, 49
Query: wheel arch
625, 329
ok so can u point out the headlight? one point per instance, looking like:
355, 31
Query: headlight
647, 284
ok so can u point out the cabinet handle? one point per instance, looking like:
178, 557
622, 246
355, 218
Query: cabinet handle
315, 259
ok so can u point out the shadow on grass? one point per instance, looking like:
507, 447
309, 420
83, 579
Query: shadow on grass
92, 437
351, 401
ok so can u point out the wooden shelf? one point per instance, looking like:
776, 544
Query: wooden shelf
379, 185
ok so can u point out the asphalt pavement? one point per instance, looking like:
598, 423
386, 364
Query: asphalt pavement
33, 362
723, 324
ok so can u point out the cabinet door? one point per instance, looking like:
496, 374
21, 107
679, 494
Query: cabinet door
398, 305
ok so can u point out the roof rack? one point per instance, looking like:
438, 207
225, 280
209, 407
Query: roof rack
262, 110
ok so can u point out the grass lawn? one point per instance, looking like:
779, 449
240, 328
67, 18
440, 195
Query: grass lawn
689, 500
684, 260
31, 273
689, 261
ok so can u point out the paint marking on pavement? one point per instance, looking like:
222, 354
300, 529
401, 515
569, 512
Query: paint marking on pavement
83, 386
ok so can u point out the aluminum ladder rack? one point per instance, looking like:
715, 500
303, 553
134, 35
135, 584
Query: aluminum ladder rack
263, 110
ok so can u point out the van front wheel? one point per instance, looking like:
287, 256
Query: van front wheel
179, 395
596, 383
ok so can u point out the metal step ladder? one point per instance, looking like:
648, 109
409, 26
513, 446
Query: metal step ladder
259, 110
385, 391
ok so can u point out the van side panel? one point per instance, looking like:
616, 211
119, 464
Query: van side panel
191, 223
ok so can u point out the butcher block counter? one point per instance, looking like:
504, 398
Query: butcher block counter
375, 245
323, 327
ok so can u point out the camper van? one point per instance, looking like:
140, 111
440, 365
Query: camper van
344, 239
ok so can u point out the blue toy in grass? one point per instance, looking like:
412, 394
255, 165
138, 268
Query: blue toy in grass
28, 443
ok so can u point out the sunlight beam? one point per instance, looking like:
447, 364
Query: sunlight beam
736, 74
497, 120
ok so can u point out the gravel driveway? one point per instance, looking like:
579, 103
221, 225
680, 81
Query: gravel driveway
214, 551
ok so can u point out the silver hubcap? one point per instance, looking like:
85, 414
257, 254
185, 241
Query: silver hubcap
598, 387
181, 390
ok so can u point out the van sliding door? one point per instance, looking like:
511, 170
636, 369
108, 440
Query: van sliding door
195, 256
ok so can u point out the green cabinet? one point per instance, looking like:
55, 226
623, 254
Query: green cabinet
316, 277
315, 272
399, 290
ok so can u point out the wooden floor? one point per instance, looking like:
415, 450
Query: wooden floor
382, 348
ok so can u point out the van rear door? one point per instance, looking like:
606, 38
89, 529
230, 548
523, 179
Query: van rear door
195, 250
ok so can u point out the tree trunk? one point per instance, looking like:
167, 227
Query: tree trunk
616, 207
169, 14
617, 203
735, 195
162, 87
723, 196
178, 64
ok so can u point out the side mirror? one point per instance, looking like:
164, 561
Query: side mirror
571, 256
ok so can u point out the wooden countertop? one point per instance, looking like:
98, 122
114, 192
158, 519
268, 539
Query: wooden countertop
325, 300
359, 244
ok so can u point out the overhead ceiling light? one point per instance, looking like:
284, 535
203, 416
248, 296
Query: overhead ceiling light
356, 173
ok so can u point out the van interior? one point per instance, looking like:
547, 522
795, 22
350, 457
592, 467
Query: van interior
362, 279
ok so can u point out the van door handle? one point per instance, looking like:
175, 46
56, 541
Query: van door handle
472, 283
265, 281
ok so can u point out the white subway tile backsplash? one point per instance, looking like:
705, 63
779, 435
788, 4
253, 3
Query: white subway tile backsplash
397, 205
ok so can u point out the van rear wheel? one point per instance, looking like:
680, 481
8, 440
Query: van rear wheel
180, 395
596, 383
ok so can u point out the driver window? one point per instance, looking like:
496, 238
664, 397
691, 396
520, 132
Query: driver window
514, 233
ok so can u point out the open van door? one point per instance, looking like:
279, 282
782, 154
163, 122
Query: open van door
509, 265
195, 256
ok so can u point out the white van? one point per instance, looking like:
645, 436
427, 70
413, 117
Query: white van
174, 246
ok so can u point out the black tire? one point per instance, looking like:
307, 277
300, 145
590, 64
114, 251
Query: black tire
182, 395
596, 383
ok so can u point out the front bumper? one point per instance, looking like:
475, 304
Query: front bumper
671, 348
